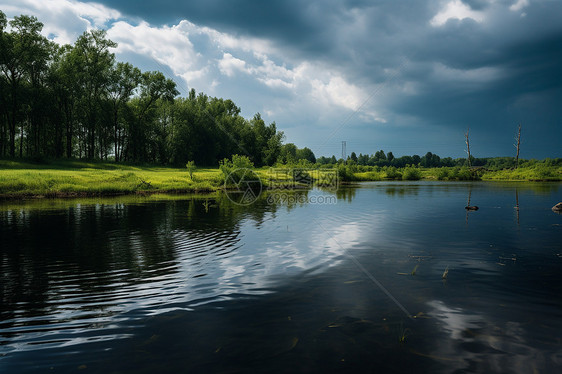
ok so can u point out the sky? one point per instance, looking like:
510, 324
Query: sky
402, 76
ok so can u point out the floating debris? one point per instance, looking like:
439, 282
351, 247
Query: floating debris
445, 273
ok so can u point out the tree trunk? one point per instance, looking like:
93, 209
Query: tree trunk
517, 146
68, 118
12, 124
468, 147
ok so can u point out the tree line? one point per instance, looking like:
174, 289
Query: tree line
380, 158
77, 101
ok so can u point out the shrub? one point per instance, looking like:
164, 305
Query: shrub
443, 174
393, 173
190, 168
345, 172
235, 169
411, 174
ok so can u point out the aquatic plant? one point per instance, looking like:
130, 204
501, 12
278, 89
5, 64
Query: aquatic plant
403, 333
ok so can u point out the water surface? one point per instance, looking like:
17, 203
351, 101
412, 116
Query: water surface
199, 284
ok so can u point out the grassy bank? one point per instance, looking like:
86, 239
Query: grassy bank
64, 178
538, 172
81, 178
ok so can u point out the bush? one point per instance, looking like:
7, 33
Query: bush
235, 169
463, 174
393, 173
443, 174
543, 172
411, 174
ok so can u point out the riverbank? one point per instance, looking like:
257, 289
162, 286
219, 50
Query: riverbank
75, 178
85, 179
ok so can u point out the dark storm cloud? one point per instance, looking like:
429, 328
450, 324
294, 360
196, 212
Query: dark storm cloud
487, 73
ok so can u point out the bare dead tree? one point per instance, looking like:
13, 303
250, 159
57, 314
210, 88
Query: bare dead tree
467, 145
516, 145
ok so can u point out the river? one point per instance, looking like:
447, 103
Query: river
383, 276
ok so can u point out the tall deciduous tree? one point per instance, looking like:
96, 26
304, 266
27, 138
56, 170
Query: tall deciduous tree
35, 58
16, 59
153, 87
3, 89
94, 62
307, 154
63, 81
124, 79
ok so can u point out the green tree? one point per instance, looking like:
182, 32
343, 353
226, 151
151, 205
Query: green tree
146, 141
3, 89
426, 161
363, 159
16, 61
288, 154
306, 154
124, 79
93, 63
389, 157
261, 141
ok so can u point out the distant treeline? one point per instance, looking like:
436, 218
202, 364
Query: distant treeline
431, 160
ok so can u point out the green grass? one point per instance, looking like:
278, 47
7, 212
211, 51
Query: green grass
90, 179
82, 178
538, 172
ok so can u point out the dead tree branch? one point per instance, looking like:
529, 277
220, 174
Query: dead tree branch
516, 145
467, 145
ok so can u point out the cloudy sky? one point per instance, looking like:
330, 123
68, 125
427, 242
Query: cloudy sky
403, 76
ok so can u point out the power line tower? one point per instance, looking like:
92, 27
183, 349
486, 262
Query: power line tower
343, 150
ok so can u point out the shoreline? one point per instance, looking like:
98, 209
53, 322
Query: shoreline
196, 191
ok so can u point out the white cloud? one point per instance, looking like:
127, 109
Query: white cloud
206, 58
518, 5
166, 45
229, 64
230, 42
456, 9
64, 20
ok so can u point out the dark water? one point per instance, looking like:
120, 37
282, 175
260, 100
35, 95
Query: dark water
131, 285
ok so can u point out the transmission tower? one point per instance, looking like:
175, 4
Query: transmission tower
343, 150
